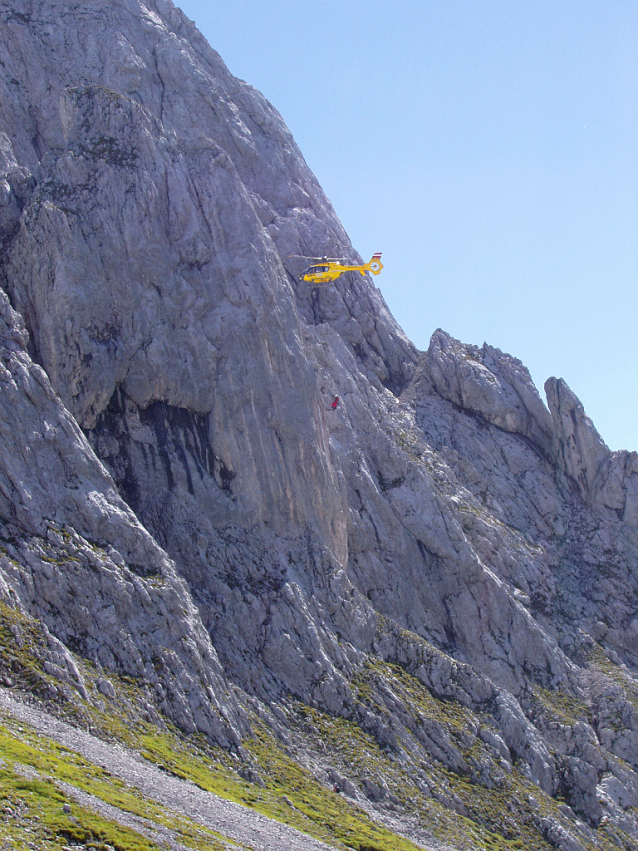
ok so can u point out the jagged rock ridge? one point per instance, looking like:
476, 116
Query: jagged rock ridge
168, 446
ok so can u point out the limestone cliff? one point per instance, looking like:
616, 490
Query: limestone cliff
180, 504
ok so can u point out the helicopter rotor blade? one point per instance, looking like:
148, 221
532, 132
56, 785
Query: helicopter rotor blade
319, 259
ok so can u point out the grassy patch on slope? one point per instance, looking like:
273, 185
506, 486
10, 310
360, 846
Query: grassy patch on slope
32, 815
20, 746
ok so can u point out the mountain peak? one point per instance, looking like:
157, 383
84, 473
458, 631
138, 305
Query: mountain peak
438, 572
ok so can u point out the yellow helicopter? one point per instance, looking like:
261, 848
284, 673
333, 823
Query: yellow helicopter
325, 270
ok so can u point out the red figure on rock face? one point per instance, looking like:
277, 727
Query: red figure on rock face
335, 402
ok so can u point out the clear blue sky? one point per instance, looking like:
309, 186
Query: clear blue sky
489, 148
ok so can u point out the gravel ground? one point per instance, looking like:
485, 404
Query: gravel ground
238, 823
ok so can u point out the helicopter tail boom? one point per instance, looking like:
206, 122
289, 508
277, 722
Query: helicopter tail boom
375, 265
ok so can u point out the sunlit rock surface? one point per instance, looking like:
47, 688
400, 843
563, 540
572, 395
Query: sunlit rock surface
179, 501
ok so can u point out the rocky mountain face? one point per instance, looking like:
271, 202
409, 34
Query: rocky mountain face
442, 567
